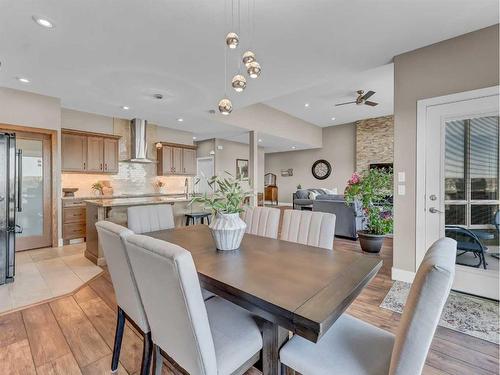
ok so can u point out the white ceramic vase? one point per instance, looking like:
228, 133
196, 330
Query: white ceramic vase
227, 231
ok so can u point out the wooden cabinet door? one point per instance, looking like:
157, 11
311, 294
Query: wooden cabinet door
110, 155
189, 161
168, 167
95, 151
73, 153
177, 159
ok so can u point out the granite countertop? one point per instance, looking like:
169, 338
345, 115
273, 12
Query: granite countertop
136, 201
116, 196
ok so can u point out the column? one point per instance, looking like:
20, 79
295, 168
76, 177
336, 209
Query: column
253, 166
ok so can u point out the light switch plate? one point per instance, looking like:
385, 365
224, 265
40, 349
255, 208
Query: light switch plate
401, 189
401, 177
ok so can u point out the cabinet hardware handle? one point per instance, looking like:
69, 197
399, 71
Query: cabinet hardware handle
100, 166
106, 166
84, 165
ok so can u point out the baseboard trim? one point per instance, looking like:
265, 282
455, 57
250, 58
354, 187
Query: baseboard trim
402, 275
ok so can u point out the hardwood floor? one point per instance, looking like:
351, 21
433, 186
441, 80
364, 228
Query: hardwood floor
74, 335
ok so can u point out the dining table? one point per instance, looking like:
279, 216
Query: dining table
287, 286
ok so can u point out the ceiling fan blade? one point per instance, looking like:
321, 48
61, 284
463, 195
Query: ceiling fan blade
336, 105
367, 95
373, 104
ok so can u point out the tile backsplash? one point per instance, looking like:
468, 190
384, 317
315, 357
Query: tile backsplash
132, 178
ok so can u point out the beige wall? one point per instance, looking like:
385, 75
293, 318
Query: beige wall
339, 148
460, 64
264, 119
225, 159
38, 111
77, 120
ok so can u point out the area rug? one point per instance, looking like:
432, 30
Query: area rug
470, 315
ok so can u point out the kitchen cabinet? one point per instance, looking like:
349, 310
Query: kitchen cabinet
85, 152
111, 155
189, 161
74, 151
176, 159
74, 219
95, 154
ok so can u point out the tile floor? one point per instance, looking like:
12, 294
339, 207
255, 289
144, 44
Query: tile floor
46, 273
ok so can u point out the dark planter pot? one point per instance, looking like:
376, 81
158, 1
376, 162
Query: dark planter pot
371, 243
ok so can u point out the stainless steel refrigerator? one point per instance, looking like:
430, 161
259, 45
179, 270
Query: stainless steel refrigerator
10, 203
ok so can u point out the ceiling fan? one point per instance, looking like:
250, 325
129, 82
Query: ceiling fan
361, 99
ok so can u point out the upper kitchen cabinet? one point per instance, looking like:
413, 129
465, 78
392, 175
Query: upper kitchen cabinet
176, 159
111, 155
74, 152
86, 152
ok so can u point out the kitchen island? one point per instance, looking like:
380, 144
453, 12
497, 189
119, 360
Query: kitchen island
115, 210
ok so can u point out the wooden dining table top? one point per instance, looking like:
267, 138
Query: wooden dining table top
301, 288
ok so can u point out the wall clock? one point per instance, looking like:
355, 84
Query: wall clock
321, 169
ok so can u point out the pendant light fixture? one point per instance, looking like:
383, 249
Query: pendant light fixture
248, 59
232, 40
225, 106
239, 83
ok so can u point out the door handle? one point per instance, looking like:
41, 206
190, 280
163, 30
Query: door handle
434, 210
19, 180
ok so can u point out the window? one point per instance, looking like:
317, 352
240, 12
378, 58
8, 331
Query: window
472, 171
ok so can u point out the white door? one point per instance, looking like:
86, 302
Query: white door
204, 170
461, 185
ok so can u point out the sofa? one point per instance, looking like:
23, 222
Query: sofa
301, 198
349, 218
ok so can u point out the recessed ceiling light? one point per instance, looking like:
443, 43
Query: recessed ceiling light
180, 119
306, 105
44, 22
333, 118
126, 108
293, 147
194, 137
23, 80
260, 140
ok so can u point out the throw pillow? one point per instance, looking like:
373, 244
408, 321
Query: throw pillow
313, 195
331, 191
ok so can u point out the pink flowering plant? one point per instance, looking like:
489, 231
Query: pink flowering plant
373, 189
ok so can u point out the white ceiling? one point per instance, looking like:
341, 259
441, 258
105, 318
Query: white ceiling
105, 54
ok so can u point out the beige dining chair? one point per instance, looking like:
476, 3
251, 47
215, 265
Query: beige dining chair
309, 228
352, 346
111, 238
262, 221
212, 337
143, 219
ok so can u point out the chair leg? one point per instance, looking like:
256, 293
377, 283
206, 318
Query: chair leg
146, 354
157, 360
120, 326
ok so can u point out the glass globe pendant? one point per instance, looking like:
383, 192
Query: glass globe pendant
239, 83
225, 106
248, 57
253, 69
232, 40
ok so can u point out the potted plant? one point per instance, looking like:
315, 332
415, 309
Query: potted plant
226, 204
97, 188
373, 190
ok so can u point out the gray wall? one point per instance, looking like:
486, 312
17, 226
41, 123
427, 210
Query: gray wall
339, 148
460, 64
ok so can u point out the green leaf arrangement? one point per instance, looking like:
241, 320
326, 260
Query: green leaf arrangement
228, 195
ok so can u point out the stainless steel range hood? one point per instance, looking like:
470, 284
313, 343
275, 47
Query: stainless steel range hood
139, 146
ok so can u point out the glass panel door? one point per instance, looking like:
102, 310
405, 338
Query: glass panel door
35, 218
471, 169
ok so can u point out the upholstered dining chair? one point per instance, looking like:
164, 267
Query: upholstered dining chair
352, 346
112, 237
201, 337
262, 221
309, 228
142, 219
